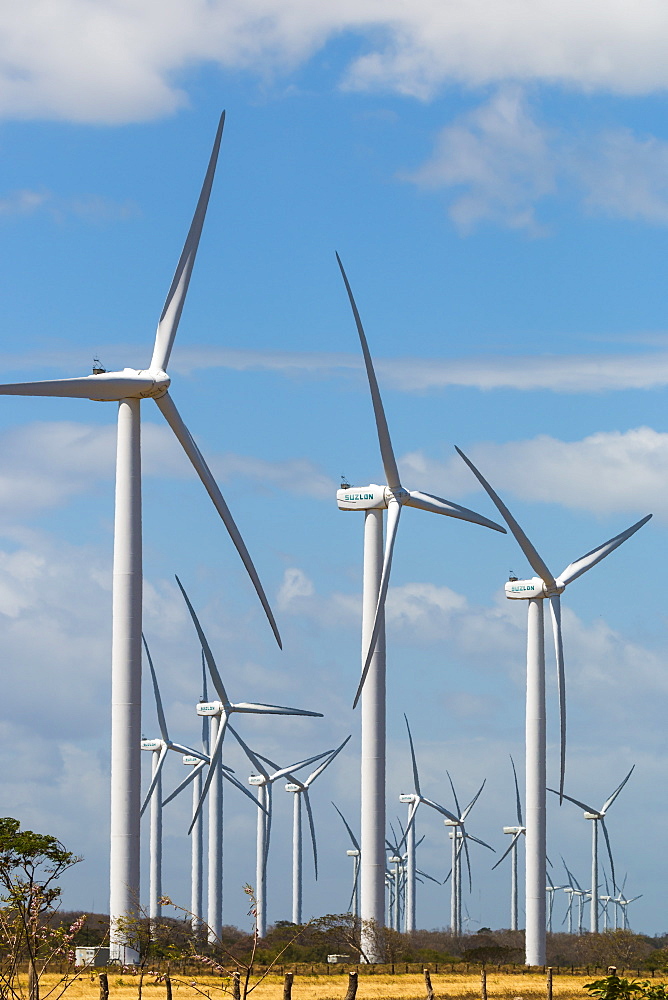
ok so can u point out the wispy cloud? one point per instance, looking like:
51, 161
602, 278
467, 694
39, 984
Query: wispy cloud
88, 207
499, 162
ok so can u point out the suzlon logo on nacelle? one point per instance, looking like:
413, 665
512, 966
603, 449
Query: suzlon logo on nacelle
362, 498
525, 590
151, 744
209, 708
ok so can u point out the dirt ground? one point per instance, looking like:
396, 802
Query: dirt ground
500, 986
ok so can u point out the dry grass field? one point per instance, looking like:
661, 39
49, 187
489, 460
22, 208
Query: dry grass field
447, 986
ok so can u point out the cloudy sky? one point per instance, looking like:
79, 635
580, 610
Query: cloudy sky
495, 178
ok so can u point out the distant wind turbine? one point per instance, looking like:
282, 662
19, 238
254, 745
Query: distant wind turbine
460, 837
516, 832
541, 587
353, 907
373, 500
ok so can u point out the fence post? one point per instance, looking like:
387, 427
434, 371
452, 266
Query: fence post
427, 983
287, 986
549, 983
104, 986
352, 986
483, 983
236, 985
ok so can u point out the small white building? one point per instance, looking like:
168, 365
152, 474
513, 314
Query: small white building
94, 956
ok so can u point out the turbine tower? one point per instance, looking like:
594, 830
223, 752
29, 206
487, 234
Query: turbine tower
353, 907
543, 586
127, 388
597, 816
158, 750
459, 836
516, 832
373, 500
299, 790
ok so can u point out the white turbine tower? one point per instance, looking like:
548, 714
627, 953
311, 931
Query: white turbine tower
413, 800
158, 749
373, 500
300, 789
219, 713
127, 388
543, 586
355, 853
516, 832
597, 816
264, 782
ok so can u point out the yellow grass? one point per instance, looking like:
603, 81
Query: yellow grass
447, 986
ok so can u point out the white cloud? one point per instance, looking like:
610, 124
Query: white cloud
604, 472
102, 61
506, 162
89, 207
295, 584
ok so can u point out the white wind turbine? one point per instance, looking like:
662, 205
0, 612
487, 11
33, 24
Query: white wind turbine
355, 854
516, 832
128, 387
264, 782
413, 800
300, 789
219, 713
373, 500
597, 816
543, 586
460, 837
159, 749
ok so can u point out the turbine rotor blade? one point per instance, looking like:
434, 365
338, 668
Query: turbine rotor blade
584, 563
110, 387
242, 788
436, 505
454, 795
197, 769
182, 748
555, 611
309, 813
206, 649
162, 724
520, 821
528, 549
472, 802
507, 852
393, 514
386, 450
608, 802
255, 761
171, 312
350, 832
416, 778
173, 418
154, 779
445, 812
607, 844
215, 757
258, 708
315, 774
577, 802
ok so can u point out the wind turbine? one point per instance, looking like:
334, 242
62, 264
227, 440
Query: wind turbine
158, 749
355, 855
264, 783
299, 789
219, 712
413, 800
128, 387
516, 832
597, 816
550, 889
459, 837
576, 890
373, 500
535, 591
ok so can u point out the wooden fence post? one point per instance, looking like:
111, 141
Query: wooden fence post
483, 983
352, 986
427, 983
287, 986
236, 985
104, 986
549, 983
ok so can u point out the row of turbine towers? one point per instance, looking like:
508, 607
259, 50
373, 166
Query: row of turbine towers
128, 387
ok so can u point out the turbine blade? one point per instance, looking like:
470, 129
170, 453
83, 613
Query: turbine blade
182, 748
257, 708
186, 781
205, 695
309, 813
173, 418
386, 451
242, 788
154, 779
430, 877
215, 757
555, 611
507, 852
477, 840
520, 821
253, 758
416, 777
297, 766
608, 802
350, 832
535, 561
206, 649
311, 778
472, 802
393, 514
110, 386
577, 802
171, 312
266, 760
581, 565
436, 505
468, 858
445, 812
607, 844
270, 800
162, 724
454, 795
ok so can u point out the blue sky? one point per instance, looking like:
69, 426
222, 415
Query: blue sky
494, 178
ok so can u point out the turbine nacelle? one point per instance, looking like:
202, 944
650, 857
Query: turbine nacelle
407, 798
189, 758
372, 497
257, 779
152, 744
291, 787
527, 590
590, 815
128, 384
209, 708
514, 829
